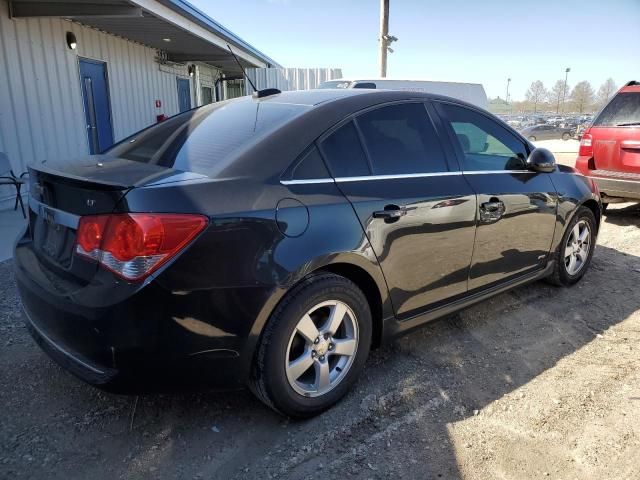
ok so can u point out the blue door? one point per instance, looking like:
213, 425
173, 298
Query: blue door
97, 111
184, 95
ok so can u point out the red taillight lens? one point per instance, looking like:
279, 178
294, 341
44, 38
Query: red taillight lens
134, 245
90, 232
586, 146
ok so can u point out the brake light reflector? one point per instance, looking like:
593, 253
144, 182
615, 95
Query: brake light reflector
134, 245
586, 146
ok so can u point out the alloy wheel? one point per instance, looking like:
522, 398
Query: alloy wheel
576, 250
322, 348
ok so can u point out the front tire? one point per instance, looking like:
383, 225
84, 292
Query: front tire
532, 138
566, 136
573, 255
313, 347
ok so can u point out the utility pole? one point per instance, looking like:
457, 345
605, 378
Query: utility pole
384, 36
564, 90
506, 98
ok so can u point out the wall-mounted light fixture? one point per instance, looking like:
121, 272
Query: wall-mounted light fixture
71, 40
192, 70
166, 40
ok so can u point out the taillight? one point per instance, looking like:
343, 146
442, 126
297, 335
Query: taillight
134, 245
586, 146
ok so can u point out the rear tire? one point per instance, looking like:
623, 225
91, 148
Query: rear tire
300, 332
532, 138
573, 255
566, 136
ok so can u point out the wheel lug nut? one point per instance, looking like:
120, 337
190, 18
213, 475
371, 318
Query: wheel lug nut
331, 346
317, 340
313, 353
322, 358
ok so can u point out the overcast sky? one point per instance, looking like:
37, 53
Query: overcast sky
468, 41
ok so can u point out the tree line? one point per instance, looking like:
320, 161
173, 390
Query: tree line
561, 98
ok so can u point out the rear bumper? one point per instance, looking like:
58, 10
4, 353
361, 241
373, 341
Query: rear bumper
617, 187
611, 183
149, 341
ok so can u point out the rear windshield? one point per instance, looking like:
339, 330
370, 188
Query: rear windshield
623, 110
206, 139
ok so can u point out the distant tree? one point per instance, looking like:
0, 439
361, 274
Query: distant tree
605, 92
582, 96
556, 94
536, 94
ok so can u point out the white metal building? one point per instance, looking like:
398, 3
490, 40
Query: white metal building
76, 77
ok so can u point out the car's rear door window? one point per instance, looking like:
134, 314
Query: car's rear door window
400, 139
483, 144
344, 154
623, 110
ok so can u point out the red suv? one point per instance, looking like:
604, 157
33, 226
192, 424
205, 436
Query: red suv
610, 148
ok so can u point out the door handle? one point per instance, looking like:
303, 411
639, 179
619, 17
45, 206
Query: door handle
391, 212
630, 145
492, 210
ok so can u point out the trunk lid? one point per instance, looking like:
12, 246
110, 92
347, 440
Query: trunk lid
616, 149
616, 133
59, 195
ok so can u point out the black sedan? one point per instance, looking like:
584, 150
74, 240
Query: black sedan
273, 241
548, 132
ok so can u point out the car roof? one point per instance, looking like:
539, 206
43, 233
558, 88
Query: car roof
312, 97
318, 97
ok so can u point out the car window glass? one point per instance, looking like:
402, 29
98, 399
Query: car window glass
401, 139
623, 109
484, 143
365, 85
309, 167
344, 154
207, 139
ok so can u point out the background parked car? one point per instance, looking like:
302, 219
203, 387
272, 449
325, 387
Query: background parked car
610, 148
547, 132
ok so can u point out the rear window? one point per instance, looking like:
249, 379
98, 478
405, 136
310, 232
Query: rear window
623, 110
207, 139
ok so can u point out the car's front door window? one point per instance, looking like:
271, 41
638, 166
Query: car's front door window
482, 143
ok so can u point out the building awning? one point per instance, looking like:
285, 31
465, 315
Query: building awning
176, 28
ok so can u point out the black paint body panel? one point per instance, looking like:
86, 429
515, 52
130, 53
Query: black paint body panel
200, 315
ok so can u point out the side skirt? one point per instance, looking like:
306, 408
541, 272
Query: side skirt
394, 328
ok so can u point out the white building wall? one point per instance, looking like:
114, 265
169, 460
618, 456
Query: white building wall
41, 107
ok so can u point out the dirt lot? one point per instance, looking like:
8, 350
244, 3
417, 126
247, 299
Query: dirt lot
540, 382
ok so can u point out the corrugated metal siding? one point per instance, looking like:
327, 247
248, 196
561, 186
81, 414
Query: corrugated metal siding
290, 78
41, 109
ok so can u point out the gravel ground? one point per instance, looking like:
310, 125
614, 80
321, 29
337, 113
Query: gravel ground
540, 382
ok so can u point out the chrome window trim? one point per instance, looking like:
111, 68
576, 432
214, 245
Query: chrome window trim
59, 216
306, 181
395, 177
484, 172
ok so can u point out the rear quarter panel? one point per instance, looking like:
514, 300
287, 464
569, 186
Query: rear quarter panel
573, 190
261, 240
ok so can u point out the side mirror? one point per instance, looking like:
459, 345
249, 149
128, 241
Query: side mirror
541, 160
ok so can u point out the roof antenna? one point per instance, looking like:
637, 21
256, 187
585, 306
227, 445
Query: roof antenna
256, 93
